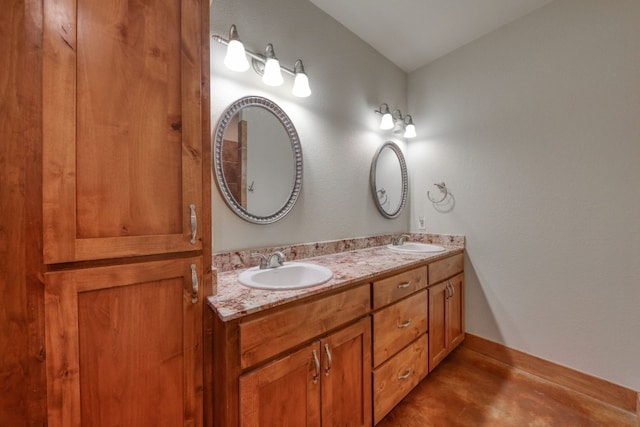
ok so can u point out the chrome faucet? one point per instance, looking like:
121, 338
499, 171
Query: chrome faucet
399, 240
274, 260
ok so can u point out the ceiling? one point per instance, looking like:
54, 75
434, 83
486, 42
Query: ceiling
412, 33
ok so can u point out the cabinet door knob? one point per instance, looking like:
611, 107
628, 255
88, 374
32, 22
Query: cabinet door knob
406, 375
405, 324
316, 362
194, 284
194, 224
328, 353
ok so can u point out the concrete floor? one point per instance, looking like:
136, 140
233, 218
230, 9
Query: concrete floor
470, 389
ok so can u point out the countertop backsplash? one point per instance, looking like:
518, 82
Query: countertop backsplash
238, 260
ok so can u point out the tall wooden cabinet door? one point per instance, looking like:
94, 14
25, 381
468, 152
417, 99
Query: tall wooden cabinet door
122, 138
284, 393
124, 345
346, 381
438, 299
455, 312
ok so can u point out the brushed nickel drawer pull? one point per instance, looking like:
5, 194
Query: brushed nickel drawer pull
406, 375
194, 284
328, 353
194, 224
316, 362
405, 324
404, 285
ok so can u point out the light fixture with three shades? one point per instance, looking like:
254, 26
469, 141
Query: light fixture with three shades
266, 65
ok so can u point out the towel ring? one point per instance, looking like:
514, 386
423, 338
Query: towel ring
443, 189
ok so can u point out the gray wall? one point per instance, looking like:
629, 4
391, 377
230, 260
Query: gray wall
535, 129
337, 126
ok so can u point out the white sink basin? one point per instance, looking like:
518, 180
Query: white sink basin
416, 248
292, 275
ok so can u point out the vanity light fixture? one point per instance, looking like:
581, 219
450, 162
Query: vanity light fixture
396, 121
266, 65
236, 57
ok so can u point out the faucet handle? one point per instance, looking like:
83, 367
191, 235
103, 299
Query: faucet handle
263, 259
399, 240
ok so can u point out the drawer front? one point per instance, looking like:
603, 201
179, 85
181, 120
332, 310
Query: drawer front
445, 268
397, 377
397, 325
393, 288
275, 333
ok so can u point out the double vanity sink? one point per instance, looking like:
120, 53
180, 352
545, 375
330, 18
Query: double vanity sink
300, 275
349, 332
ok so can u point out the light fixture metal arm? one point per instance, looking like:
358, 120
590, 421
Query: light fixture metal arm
251, 54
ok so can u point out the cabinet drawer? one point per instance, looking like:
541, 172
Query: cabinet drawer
440, 270
270, 335
397, 325
397, 377
393, 288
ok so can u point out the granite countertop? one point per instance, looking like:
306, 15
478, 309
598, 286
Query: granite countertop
234, 300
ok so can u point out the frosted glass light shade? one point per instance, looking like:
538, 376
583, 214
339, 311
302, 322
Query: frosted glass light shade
236, 57
387, 121
272, 74
301, 87
410, 131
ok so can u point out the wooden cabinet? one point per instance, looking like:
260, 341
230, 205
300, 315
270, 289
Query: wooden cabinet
446, 318
326, 383
302, 364
123, 344
399, 338
122, 129
126, 208
345, 358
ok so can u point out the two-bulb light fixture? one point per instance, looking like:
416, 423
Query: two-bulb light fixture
396, 121
266, 65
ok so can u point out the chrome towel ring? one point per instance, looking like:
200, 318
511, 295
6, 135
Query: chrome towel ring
443, 189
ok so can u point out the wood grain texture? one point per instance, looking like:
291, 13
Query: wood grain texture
597, 388
268, 336
397, 325
346, 379
390, 289
113, 356
123, 139
445, 268
22, 374
284, 393
398, 376
437, 324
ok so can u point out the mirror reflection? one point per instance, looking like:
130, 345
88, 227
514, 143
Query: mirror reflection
257, 160
389, 181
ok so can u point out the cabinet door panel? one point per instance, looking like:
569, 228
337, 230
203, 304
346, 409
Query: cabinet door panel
124, 345
346, 378
437, 324
397, 325
284, 393
455, 314
122, 151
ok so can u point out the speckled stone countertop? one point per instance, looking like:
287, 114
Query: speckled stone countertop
234, 300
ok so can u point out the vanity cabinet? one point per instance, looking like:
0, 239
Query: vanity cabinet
446, 308
399, 338
309, 361
327, 383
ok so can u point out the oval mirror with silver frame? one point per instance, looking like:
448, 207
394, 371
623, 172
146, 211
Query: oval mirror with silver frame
257, 159
389, 180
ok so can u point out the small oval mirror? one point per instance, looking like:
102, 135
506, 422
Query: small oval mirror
257, 160
389, 181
